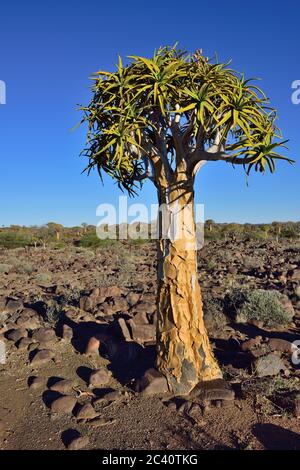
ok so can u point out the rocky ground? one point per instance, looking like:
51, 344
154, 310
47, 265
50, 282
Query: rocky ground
79, 331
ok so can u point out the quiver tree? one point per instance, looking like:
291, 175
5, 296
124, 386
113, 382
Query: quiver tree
55, 229
162, 119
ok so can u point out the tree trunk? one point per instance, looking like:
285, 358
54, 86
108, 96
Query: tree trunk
184, 354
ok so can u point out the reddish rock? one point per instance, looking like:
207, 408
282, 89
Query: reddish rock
152, 383
87, 411
124, 329
295, 275
277, 344
99, 377
42, 357
78, 443
133, 298
29, 322
251, 344
142, 333
141, 318
24, 343
67, 333
63, 405
63, 386
110, 291
120, 305
86, 303
13, 305
44, 335
36, 383
93, 346
15, 335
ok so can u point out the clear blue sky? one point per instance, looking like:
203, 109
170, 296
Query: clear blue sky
49, 49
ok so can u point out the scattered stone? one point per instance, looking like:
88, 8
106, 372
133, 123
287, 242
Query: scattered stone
15, 335
268, 365
78, 443
124, 329
87, 411
257, 323
86, 303
211, 390
33, 346
297, 291
152, 383
99, 377
132, 298
251, 343
29, 319
35, 383
13, 305
24, 343
42, 357
92, 346
142, 333
110, 291
114, 395
44, 335
63, 386
296, 275
63, 405
67, 333
282, 345
120, 305
141, 318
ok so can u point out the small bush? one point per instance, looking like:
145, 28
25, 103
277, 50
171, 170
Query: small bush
138, 241
13, 240
53, 312
214, 317
5, 268
43, 277
25, 268
258, 304
90, 240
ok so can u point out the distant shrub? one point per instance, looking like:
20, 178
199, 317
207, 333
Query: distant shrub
258, 304
13, 240
25, 268
58, 246
90, 240
5, 268
43, 277
138, 241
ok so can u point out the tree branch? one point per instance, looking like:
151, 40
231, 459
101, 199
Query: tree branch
213, 154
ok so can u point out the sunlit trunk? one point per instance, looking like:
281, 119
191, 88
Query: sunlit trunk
184, 354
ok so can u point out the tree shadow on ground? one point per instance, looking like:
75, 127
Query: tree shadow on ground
252, 331
128, 359
274, 437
